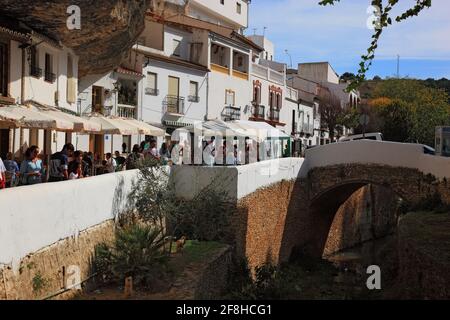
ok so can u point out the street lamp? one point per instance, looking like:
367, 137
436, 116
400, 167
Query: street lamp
290, 57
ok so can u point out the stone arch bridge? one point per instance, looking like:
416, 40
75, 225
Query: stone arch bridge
290, 203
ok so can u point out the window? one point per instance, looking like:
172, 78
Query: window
230, 97
257, 92
49, 75
97, 99
35, 71
222, 2
71, 82
4, 69
193, 92
176, 47
279, 101
238, 8
152, 84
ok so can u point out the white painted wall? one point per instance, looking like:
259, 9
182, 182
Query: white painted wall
41, 91
376, 152
320, 72
220, 82
111, 144
55, 211
237, 182
152, 108
263, 42
226, 14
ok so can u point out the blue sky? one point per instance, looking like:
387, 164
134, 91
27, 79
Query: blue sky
339, 34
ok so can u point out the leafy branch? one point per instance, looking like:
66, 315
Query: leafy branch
385, 19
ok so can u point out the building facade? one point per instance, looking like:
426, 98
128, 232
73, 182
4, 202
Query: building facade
36, 71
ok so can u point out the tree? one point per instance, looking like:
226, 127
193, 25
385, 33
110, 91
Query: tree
408, 102
397, 119
384, 19
348, 76
331, 111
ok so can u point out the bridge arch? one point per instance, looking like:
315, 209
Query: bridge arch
330, 187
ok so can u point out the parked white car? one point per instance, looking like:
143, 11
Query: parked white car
368, 136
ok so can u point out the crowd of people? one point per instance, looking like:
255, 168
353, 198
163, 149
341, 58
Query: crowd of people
71, 164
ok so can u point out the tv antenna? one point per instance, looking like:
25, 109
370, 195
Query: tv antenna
254, 31
264, 32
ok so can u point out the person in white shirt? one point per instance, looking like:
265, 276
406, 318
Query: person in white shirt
110, 163
2, 175
209, 155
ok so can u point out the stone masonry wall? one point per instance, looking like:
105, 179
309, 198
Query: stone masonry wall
370, 213
41, 273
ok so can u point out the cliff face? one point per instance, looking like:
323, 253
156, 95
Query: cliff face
108, 27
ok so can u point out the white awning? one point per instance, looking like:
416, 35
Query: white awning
260, 131
79, 124
145, 128
114, 125
30, 117
214, 128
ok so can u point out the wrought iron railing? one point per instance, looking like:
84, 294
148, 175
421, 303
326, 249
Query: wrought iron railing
274, 114
258, 111
151, 92
173, 104
195, 99
50, 77
231, 113
35, 71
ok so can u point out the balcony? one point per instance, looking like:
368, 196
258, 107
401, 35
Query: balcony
173, 105
307, 129
35, 72
50, 77
258, 112
151, 92
125, 111
274, 115
231, 113
195, 99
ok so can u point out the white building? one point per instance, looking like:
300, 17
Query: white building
228, 13
116, 93
309, 78
36, 70
276, 101
195, 71
176, 76
266, 44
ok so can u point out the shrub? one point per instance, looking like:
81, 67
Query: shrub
137, 252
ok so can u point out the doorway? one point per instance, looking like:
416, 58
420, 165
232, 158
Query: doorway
4, 142
173, 104
97, 144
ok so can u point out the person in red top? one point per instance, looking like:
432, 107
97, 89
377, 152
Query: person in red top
2, 175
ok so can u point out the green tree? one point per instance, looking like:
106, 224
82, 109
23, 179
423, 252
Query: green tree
423, 107
397, 121
347, 76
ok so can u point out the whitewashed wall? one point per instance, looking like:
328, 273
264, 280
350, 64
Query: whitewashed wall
152, 108
238, 181
213, 11
376, 152
50, 212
